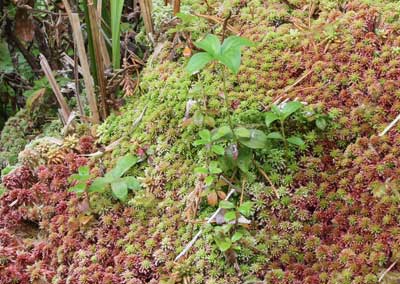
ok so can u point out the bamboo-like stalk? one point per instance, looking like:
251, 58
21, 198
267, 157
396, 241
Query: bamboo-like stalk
96, 36
145, 7
177, 6
87, 78
65, 111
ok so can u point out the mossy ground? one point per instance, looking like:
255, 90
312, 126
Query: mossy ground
337, 219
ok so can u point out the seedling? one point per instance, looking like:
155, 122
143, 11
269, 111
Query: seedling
82, 178
114, 179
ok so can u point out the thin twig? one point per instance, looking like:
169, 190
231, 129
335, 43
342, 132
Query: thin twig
386, 271
390, 126
264, 174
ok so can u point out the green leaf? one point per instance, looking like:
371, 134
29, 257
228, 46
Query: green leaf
321, 123
224, 204
198, 61
270, 117
242, 132
201, 170
290, 108
218, 149
230, 216
214, 168
244, 159
257, 140
79, 188
211, 44
234, 42
120, 189
205, 135
83, 171
200, 142
123, 165
237, 236
99, 185
221, 132
275, 135
245, 208
209, 180
231, 59
230, 52
223, 243
132, 183
77, 177
296, 141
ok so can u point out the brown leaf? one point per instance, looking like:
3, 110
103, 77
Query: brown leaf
187, 52
221, 194
85, 219
212, 198
24, 25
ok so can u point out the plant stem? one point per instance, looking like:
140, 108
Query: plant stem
284, 137
226, 101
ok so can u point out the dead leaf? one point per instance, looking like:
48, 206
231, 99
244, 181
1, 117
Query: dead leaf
212, 198
85, 219
24, 25
187, 52
221, 194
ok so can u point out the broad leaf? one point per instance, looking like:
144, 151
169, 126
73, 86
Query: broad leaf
224, 204
234, 42
79, 188
244, 160
83, 171
221, 132
223, 243
218, 149
270, 117
290, 108
200, 142
321, 123
200, 170
99, 185
205, 135
198, 61
211, 44
230, 216
231, 59
132, 183
237, 236
209, 180
296, 141
120, 189
77, 177
257, 140
245, 208
214, 168
242, 132
275, 135
123, 165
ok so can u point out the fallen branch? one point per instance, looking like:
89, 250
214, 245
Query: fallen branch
386, 271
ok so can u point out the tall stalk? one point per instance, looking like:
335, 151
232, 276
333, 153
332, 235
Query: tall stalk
226, 101
116, 13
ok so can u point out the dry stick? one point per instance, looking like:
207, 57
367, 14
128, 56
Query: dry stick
76, 77
386, 271
65, 112
145, 7
87, 78
191, 243
390, 126
98, 57
177, 6
287, 89
264, 174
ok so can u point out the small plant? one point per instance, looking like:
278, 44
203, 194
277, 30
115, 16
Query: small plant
82, 178
227, 236
281, 115
114, 179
